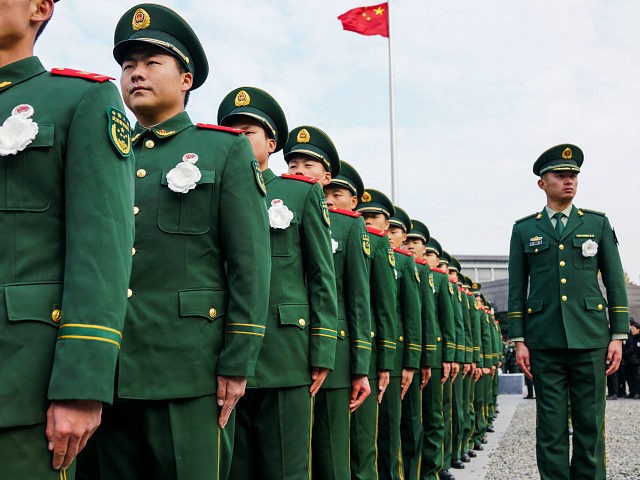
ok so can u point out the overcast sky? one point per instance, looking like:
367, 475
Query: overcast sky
482, 88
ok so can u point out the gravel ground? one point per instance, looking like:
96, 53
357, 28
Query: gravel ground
515, 457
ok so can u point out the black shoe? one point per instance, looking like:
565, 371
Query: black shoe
636, 397
630, 395
466, 458
484, 440
490, 429
612, 397
478, 447
456, 463
447, 475
529, 397
497, 411
472, 454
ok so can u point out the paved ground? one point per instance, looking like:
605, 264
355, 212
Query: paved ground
510, 452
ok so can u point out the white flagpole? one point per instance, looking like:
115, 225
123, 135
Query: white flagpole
392, 112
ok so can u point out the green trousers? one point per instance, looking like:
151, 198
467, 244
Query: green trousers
457, 420
411, 430
160, 440
433, 421
468, 412
273, 435
447, 411
389, 448
488, 400
330, 438
24, 455
578, 376
479, 407
364, 437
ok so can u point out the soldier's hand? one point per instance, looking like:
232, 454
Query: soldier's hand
383, 383
477, 374
230, 390
360, 389
318, 376
466, 369
455, 369
425, 376
70, 423
486, 370
523, 359
405, 381
446, 371
614, 356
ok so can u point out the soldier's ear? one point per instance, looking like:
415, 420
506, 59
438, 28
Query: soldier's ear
354, 202
541, 183
271, 145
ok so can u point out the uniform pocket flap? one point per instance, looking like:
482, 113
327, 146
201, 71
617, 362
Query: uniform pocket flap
534, 306
205, 303
207, 176
577, 242
536, 248
45, 136
34, 301
294, 314
595, 303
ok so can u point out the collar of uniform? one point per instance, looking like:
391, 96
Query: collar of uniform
268, 175
566, 212
166, 129
18, 72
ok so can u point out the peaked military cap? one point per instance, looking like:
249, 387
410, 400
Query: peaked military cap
475, 288
433, 246
445, 257
454, 264
160, 26
564, 157
466, 281
316, 144
419, 230
259, 105
400, 219
374, 201
349, 179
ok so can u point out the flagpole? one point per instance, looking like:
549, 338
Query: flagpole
392, 115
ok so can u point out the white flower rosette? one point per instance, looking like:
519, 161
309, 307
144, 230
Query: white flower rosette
589, 248
185, 175
279, 214
334, 245
18, 130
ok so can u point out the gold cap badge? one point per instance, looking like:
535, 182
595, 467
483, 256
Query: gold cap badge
141, 20
242, 99
303, 136
366, 197
567, 153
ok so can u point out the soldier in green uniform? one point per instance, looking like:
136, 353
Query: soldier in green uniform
300, 342
66, 175
364, 421
483, 383
347, 386
558, 317
197, 303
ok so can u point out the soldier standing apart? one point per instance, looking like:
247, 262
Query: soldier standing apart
66, 231
564, 339
197, 296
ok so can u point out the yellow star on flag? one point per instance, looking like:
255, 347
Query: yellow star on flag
379, 11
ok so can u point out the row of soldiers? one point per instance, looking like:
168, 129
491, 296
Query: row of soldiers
327, 332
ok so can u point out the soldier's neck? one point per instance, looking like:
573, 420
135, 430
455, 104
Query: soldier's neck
15, 53
150, 118
558, 206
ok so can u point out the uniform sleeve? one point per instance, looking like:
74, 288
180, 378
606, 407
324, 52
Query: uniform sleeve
447, 322
487, 344
518, 282
468, 336
321, 281
244, 231
459, 324
429, 319
383, 297
358, 265
99, 238
477, 335
613, 278
410, 298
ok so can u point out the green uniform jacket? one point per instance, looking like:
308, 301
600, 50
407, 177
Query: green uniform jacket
476, 329
303, 313
468, 334
487, 342
409, 328
383, 303
565, 307
443, 291
456, 299
199, 280
66, 230
431, 333
352, 266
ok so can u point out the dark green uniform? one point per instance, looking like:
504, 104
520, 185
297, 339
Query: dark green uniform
66, 230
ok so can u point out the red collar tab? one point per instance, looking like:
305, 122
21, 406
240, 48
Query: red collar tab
470, 294
302, 178
70, 72
421, 261
220, 128
439, 270
375, 231
344, 211
404, 252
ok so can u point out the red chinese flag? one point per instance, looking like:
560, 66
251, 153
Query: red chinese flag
367, 20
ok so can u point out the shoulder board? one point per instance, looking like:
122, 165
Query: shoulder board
586, 210
404, 252
302, 178
421, 261
70, 72
220, 128
375, 231
527, 217
344, 211
439, 270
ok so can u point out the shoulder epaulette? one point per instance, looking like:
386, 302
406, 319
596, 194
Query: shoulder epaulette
344, 211
527, 217
591, 211
220, 128
404, 252
375, 231
439, 270
302, 178
421, 261
70, 72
